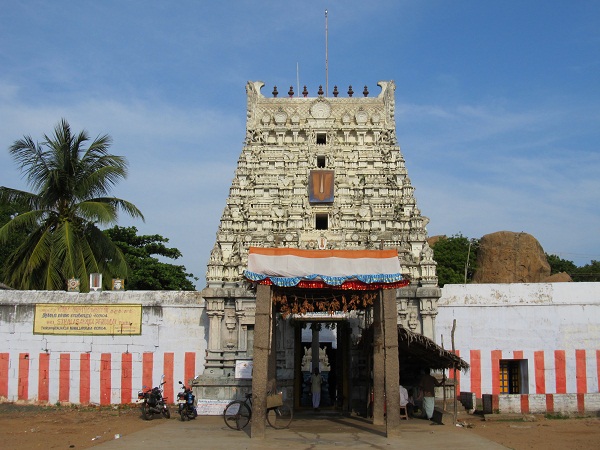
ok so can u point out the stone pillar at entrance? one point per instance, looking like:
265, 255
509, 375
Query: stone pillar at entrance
260, 374
392, 365
386, 367
378, 365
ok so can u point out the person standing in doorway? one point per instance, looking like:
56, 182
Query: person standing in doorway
427, 384
316, 382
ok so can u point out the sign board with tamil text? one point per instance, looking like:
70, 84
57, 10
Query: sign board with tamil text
82, 319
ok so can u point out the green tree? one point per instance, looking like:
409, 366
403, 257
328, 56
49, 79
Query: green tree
590, 272
7, 213
71, 185
557, 265
451, 255
145, 271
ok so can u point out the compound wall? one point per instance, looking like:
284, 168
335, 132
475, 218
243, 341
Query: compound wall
100, 369
550, 330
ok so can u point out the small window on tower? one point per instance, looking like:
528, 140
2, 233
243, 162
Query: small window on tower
320, 162
321, 138
321, 222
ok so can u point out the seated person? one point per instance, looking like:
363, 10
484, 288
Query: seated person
406, 401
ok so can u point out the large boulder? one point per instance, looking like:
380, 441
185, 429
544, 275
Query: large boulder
432, 240
509, 257
560, 277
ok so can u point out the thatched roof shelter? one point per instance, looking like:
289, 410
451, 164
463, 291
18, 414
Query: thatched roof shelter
419, 351
432, 355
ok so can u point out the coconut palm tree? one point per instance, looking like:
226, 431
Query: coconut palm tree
70, 197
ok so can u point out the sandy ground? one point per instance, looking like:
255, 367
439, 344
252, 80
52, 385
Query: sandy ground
32, 427
539, 432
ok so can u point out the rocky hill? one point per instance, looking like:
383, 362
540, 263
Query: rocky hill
509, 257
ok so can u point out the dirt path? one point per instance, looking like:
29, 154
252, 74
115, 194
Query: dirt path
571, 434
45, 427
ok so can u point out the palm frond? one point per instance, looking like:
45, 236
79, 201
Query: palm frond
65, 248
26, 220
25, 267
32, 160
15, 196
97, 211
103, 209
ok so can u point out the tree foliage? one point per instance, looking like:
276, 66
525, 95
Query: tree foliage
146, 272
589, 272
70, 195
453, 256
7, 213
558, 265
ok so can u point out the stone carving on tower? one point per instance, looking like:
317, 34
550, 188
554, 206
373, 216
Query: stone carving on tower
316, 173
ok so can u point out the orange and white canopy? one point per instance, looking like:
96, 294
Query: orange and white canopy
290, 266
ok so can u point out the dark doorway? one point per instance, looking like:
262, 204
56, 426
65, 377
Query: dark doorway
333, 366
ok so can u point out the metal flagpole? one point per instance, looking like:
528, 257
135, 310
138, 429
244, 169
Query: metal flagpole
326, 58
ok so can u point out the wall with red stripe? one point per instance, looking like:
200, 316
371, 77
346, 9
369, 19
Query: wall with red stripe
553, 328
100, 369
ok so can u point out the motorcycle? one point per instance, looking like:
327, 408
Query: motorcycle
185, 401
153, 402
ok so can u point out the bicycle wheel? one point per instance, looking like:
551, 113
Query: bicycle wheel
236, 415
280, 416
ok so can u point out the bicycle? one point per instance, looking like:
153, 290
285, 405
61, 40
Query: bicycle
238, 413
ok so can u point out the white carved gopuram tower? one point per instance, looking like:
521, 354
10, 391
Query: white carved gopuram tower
314, 173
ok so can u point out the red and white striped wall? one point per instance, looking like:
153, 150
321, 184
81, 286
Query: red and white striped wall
552, 328
97, 378
557, 380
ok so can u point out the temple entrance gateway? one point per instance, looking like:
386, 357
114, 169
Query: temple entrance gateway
304, 284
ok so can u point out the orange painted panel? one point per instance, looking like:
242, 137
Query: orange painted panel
476, 372
169, 364
4, 364
126, 374
105, 378
84, 378
64, 377
540, 372
496, 357
189, 367
524, 404
560, 366
43, 378
147, 365
23, 385
581, 371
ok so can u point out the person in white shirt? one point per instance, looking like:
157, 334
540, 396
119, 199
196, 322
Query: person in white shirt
406, 401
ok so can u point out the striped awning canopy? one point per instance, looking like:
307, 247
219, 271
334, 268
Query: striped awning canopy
344, 269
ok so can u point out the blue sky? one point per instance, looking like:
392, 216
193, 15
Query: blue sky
497, 102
